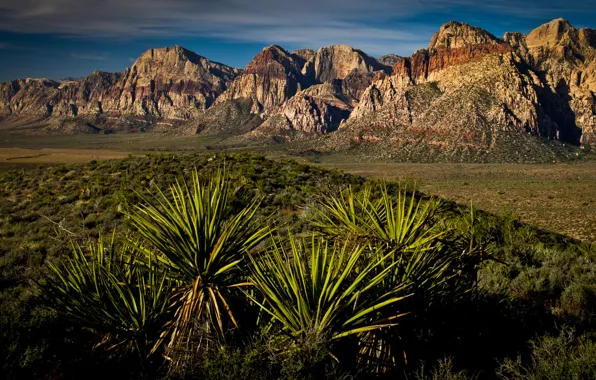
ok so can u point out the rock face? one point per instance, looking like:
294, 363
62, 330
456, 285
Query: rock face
43, 98
170, 83
270, 79
305, 54
337, 62
565, 58
454, 35
389, 59
317, 110
455, 44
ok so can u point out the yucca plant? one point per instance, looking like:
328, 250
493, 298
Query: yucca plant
401, 223
325, 289
100, 288
424, 253
201, 243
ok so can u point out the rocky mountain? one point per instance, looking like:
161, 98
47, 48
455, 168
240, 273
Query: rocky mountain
389, 59
471, 95
565, 59
297, 94
171, 83
271, 78
319, 109
163, 84
338, 61
468, 96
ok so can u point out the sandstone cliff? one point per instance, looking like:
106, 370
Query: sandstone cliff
305, 91
43, 98
317, 110
565, 58
270, 79
337, 62
171, 83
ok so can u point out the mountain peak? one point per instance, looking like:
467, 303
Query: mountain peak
551, 33
389, 59
270, 54
276, 49
165, 53
456, 34
338, 61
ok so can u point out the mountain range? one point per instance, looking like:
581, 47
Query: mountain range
468, 96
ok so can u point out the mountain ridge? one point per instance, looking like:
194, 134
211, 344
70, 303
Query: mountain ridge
467, 91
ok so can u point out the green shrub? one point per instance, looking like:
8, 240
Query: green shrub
561, 357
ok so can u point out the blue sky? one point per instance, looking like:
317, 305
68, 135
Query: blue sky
60, 38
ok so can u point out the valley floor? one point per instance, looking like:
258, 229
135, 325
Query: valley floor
557, 197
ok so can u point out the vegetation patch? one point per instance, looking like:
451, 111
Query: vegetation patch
236, 266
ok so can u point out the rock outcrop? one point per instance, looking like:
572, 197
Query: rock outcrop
455, 44
565, 58
270, 79
317, 110
337, 62
389, 60
43, 98
305, 54
171, 83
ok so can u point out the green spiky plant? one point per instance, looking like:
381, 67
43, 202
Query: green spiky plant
326, 289
202, 243
100, 288
423, 253
401, 223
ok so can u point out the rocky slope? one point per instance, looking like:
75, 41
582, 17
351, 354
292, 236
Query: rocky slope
317, 110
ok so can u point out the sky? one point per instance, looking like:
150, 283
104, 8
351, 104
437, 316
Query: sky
71, 38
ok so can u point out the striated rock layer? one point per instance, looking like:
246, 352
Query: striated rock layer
270, 79
171, 83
